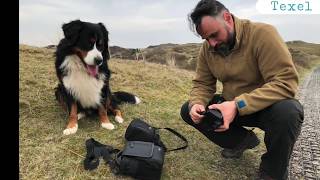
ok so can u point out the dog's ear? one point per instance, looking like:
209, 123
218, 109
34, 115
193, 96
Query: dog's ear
71, 30
105, 52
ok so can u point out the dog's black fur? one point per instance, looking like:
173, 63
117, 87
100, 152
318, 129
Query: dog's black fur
84, 52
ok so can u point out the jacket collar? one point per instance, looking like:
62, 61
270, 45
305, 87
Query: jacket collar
238, 25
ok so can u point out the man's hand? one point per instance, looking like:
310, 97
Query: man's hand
229, 112
195, 113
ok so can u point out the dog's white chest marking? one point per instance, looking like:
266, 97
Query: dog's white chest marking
84, 87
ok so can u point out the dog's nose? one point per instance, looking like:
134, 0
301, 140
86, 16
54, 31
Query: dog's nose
98, 61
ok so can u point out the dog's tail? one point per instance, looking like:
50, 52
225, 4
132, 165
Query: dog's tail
125, 97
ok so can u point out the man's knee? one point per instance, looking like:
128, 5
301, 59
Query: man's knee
288, 108
287, 113
184, 112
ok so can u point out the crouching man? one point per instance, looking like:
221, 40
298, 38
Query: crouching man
259, 85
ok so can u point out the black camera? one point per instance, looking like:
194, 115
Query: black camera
212, 119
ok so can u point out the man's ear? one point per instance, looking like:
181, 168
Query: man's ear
71, 30
227, 17
105, 52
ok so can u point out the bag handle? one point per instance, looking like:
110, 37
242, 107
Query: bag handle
178, 135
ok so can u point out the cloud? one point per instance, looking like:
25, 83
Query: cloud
140, 23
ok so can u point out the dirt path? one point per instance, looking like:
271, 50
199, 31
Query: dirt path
305, 161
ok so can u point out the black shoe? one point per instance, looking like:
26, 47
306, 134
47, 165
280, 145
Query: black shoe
249, 142
262, 175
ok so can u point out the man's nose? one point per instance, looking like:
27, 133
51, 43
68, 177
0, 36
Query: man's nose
212, 42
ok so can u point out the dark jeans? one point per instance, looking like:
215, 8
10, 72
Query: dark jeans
281, 123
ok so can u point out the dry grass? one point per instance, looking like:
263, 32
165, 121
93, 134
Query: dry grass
45, 153
179, 55
184, 56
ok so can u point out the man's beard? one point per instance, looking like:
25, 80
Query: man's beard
224, 48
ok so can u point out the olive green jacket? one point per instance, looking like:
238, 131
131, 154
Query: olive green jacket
258, 72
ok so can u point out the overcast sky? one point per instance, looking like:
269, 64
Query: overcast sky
140, 23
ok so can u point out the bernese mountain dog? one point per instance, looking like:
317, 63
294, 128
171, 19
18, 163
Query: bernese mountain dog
82, 70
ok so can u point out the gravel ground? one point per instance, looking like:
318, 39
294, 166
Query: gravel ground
305, 160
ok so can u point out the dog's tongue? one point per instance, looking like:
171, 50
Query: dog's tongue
92, 70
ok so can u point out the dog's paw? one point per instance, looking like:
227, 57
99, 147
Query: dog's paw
119, 119
72, 130
107, 125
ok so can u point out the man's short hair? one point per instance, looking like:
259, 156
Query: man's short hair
204, 8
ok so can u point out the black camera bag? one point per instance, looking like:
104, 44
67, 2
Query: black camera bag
141, 158
138, 130
143, 155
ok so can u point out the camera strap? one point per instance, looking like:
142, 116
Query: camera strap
178, 135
